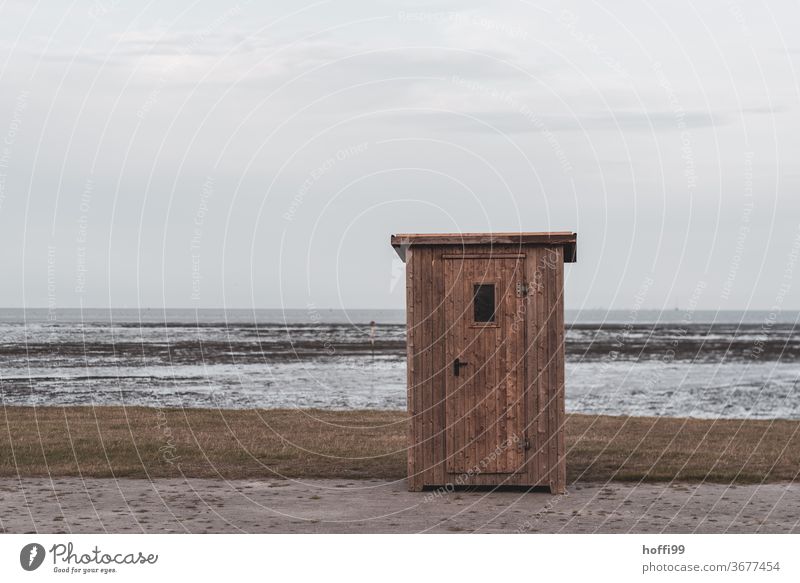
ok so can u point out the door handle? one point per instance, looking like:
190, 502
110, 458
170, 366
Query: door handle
457, 364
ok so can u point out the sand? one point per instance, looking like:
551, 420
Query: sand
73, 505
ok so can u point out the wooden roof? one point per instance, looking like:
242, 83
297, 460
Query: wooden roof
568, 239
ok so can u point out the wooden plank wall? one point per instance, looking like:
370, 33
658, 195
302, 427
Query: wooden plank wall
426, 366
559, 352
428, 363
552, 260
536, 361
545, 367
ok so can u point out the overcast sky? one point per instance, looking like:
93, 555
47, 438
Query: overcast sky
217, 154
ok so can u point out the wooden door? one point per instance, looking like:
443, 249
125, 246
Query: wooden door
485, 376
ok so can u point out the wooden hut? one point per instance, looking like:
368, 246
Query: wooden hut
485, 322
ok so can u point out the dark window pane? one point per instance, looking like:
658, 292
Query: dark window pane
483, 302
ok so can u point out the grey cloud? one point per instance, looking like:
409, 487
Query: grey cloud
124, 48
525, 121
765, 109
347, 62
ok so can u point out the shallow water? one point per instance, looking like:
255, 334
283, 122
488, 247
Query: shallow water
721, 367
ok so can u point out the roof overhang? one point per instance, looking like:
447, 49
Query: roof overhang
566, 239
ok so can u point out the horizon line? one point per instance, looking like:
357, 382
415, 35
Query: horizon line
344, 309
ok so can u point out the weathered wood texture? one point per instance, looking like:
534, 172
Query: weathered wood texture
484, 402
516, 395
565, 239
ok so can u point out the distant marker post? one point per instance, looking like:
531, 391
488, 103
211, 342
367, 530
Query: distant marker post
372, 327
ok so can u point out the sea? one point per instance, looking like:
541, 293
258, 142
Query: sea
722, 364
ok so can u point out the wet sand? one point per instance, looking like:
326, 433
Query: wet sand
730, 366
73, 505
176, 344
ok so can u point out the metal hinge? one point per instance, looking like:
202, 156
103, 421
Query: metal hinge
522, 289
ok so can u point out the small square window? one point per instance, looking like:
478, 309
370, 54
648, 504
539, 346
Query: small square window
483, 302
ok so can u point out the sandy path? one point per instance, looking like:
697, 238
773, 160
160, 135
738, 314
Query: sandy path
279, 506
